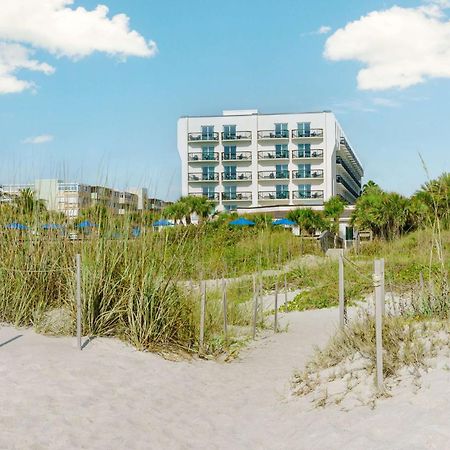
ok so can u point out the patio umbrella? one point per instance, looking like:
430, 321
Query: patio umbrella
16, 226
86, 224
242, 222
284, 221
162, 223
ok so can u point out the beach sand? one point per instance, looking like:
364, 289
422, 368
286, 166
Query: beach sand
110, 396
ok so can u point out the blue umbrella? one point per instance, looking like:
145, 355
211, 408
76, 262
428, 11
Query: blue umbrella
242, 222
283, 221
52, 226
162, 223
86, 224
16, 226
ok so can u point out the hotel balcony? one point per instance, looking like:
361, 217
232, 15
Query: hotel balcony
307, 154
348, 169
270, 155
271, 175
313, 133
307, 174
238, 176
237, 196
273, 195
199, 157
212, 196
346, 184
238, 136
203, 137
272, 135
237, 156
298, 196
203, 177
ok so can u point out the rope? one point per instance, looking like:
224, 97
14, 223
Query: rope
356, 269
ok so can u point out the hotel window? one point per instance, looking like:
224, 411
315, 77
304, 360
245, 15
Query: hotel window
282, 171
229, 131
208, 153
230, 207
208, 173
304, 191
304, 170
230, 192
282, 191
229, 152
229, 172
281, 151
304, 150
304, 129
208, 132
281, 130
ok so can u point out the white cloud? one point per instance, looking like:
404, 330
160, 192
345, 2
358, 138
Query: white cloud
41, 139
56, 27
323, 29
400, 47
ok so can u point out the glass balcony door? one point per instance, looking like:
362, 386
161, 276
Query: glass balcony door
304, 191
207, 132
304, 129
229, 152
281, 171
230, 172
304, 170
304, 150
207, 153
282, 191
229, 131
230, 192
208, 192
281, 130
208, 173
281, 151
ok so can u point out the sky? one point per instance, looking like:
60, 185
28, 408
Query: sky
91, 91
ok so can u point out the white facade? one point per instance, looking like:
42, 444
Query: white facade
248, 160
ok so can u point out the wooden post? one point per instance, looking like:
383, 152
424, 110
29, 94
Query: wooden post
275, 318
78, 295
202, 314
378, 286
225, 309
260, 299
383, 293
285, 290
255, 307
342, 311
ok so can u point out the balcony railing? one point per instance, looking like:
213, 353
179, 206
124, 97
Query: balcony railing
301, 195
273, 174
299, 174
203, 176
237, 136
273, 154
213, 196
199, 156
301, 154
195, 137
238, 176
273, 134
237, 196
311, 133
236, 156
273, 195
344, 182
348, 169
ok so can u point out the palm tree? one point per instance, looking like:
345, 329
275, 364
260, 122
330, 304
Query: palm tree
308, 220
27, 204
200, 206
177, 211
333, 209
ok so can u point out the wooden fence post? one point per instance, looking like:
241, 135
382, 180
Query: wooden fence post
255, 307
285, 290
78, 296
202, 314
260, 298
225, 309
383, 293
342, 311
378, 287
275, 318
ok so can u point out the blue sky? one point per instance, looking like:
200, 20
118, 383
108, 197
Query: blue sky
114, 121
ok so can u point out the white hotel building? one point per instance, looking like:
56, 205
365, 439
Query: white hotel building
275, 162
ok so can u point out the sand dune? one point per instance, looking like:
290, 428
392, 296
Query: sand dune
110, 396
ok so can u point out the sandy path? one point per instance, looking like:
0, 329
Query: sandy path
111, 397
